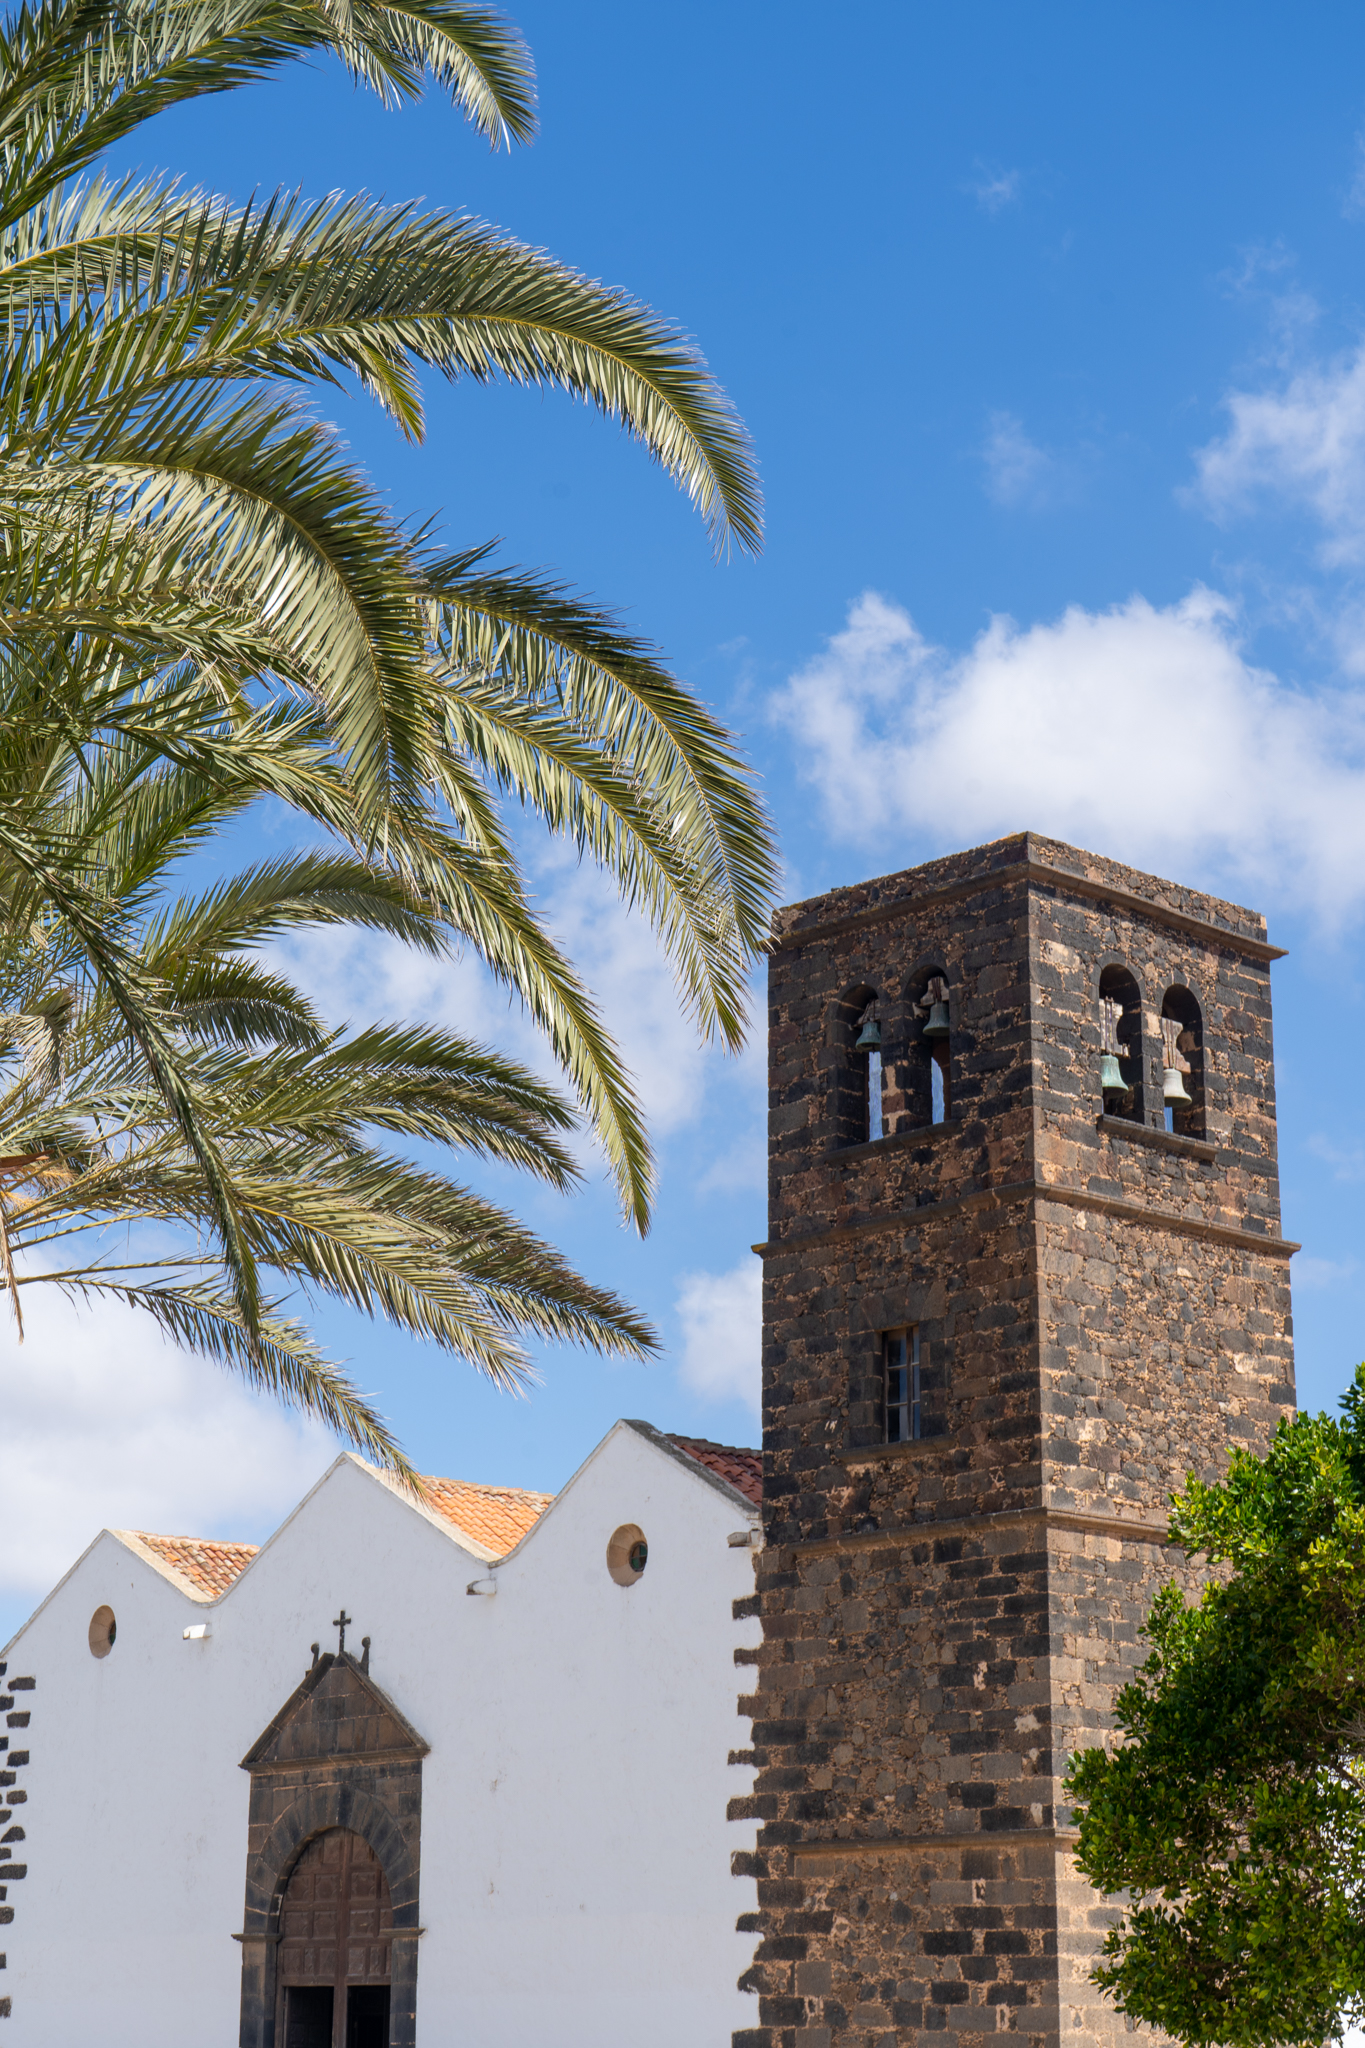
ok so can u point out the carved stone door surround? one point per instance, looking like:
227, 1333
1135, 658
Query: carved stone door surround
339, 1754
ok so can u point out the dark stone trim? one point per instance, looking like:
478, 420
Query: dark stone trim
1163, 1141
1168, 1219
1037, 872
891, 1454
897, 1141
281, 1767
318, 1807
864, 1846
1127, 1529
1037, 1190
256, 1757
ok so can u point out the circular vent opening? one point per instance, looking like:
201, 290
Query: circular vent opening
103, 1629
627, 1554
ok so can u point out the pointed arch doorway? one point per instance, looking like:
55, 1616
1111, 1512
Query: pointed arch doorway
338, 1760
336, 1946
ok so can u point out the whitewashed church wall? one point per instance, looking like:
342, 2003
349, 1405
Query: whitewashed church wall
575, 1855
591, 1901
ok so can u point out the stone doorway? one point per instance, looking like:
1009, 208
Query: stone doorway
335, 1951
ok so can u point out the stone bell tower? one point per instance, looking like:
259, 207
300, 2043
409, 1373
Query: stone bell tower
996, 1337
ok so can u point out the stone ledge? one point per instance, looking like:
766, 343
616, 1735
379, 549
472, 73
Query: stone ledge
919, 1845
1038, 873
1025, 1191
892, 1454
1079, 1521
895, 1141
1162, 1141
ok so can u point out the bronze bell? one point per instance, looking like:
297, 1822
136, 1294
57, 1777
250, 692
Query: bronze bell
1173, 1091
869, 1039
937, 1025
1111, 1075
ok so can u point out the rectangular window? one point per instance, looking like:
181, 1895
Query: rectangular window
900, 1355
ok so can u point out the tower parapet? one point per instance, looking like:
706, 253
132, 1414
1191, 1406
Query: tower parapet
1006, 1311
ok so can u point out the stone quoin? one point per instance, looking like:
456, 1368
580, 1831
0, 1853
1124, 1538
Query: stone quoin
996, 1338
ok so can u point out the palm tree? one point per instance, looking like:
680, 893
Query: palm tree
302, 1119
188, 566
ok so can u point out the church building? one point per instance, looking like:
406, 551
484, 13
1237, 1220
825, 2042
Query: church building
453, 1772
482, 1773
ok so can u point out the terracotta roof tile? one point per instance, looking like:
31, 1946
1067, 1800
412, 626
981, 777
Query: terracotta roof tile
743, 1469
495, 1516
209, 1566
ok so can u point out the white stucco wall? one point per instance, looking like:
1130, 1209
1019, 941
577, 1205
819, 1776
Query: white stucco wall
575, 1853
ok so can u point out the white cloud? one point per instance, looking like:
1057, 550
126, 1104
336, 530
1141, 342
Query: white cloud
1265, 274
1017, 469
1346, 1162
1141, 730
355, 977
107, 1425
722, 1319
1314, 1272
995, 190
1302, 444
740, 1168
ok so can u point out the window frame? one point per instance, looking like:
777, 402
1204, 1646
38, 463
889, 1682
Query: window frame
903, 1405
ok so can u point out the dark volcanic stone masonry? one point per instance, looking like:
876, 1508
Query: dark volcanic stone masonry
1102, 1306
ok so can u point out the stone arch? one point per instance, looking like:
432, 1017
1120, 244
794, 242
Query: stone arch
313, 1810
849, 1101
1105, 961
1181, 1006
924, 1072
316, 1809
1118, 986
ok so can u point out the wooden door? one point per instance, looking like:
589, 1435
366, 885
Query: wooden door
335, 1940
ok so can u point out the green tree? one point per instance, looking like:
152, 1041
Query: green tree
188, 564
302, 1121
1233, 1812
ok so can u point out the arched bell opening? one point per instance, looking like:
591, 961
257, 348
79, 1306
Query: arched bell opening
1120, 1072
1182, 1062
927, 1070
334, 1969
856, 1027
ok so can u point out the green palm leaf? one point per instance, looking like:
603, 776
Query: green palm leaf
204, 605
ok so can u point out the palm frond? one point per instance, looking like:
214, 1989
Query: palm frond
204, 607
280, 1359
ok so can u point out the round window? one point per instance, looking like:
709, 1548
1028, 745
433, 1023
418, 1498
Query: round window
627, 1554
103, 1629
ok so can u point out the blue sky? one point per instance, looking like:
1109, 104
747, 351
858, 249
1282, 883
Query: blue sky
1048, 325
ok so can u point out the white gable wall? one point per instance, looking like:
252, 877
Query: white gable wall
575, 1856
595, 1875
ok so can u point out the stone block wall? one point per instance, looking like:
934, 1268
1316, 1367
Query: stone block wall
16, 1707
1102, 1306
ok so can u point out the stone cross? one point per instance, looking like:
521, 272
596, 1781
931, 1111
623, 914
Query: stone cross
339, 1622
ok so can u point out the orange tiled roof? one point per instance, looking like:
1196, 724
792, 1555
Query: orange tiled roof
495, 1516
743, 1469
209, 1566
